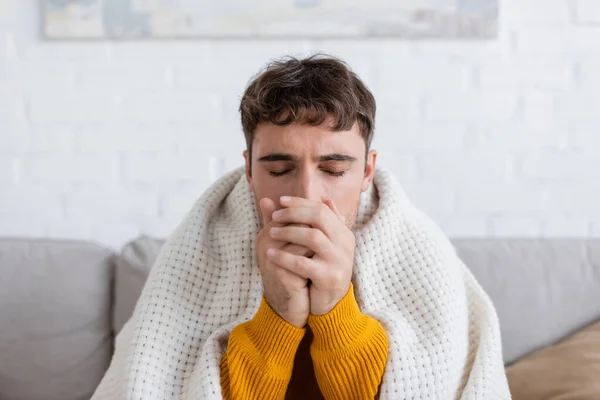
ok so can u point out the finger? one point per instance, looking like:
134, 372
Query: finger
299, 265
335, 210
267, 207
311, 238
317, 215
298, 250
292, 201
282, 274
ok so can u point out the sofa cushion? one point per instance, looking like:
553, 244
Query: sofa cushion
543, 290
55, 336
567, 370
133, 265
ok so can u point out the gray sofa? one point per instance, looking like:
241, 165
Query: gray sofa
63, 302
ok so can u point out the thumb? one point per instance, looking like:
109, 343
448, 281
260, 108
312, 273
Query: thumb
335, 210
267, 208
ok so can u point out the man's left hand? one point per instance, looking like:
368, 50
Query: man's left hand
330, 268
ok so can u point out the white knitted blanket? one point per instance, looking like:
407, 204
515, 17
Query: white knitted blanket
444, 337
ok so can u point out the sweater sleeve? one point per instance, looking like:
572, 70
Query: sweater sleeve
349, 351
260, 355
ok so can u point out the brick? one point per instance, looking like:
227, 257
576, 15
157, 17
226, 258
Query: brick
11, 108
52, 139
585, 137
474, 106
232, 51
122, 77
538, 109
443, 166
543, 40
124, 137
399, 107
80, 229
556, 165
30, 203
8, 48
216, 167
393, 131
595, 228
517, 136
177, 203
527, 73
161, 51
432, 136
488, 198
158, 227
14, 137
363, 57
573, 198
536, 13
171, 108
21, 226
351, 50
69, 51
460, 226
559, 41
71, 169
8, 170
32, 77
565, 226
433, 199
587, 12
72, 108
222, 154
127, 203
514, 226
4, 50
579, 107
442, 75
468, 50
114, 232
212, 136
585, 40
589, 75
401, 164
165, 168
219, 77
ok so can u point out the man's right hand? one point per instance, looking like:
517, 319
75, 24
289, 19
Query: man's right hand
284, 291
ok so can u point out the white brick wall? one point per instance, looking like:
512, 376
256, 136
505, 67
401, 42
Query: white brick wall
106, 140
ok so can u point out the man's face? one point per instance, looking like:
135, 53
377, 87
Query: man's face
312, 162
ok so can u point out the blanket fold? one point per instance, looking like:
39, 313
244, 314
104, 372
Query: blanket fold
443, 332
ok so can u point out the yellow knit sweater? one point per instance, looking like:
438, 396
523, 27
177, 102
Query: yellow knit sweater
267, 358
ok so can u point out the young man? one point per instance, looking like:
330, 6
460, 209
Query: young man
308, 274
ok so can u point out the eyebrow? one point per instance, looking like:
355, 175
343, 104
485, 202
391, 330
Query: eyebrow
289, 157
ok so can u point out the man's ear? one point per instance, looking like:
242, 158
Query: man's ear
247, 167
369, 170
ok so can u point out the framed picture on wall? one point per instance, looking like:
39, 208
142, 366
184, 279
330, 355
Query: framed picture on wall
122, 19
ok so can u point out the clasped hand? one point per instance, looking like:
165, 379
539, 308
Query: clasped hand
305, 254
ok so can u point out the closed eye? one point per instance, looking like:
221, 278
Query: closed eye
336, 173
332, 173
276, 173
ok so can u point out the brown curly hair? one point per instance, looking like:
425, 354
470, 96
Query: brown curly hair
307, 91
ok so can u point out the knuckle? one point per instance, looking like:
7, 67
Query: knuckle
314, 236
335, 278
302, 262
322, 276
322, 211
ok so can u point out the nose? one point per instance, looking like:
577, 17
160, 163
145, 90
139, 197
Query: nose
307, 186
